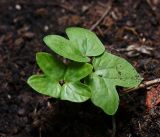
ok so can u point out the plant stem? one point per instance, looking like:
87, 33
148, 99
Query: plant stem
113, 126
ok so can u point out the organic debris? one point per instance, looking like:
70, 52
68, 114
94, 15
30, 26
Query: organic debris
153, 97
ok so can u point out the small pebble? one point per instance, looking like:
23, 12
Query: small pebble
18, 7
46, 28
9, 96
84, 8
21, 112
144, 39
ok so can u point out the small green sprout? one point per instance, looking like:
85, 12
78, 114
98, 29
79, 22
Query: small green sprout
92, 73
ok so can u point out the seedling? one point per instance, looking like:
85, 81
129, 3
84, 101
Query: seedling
92, 73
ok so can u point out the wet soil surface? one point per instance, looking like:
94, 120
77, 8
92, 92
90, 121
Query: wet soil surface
131, 30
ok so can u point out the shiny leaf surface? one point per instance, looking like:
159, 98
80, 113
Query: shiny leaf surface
50, 65
77, 71
44, 85
65, 48
88, 43
111, 71
75, 92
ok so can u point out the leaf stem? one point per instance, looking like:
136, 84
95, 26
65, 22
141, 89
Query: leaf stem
143, 85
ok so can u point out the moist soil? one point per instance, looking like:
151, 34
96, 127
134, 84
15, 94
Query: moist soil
26, 113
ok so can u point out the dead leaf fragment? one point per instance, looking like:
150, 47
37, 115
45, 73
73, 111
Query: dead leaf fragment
28, 35
19, 41
74, 19
142, 49
153, 97
41, 12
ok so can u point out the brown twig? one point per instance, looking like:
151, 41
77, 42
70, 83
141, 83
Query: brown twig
109, 6
143, 85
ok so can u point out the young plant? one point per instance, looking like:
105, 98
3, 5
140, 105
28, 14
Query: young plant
92, 73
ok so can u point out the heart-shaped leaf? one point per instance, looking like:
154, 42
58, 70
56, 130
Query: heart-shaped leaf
111, 71
75, 92
44, 85
77, 71
82, 44
104, 95
50, 65
65, 48
117, 70
88, 43
56, 73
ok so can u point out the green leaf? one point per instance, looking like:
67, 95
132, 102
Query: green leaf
44, 85
50, 65
111, 71
77, 71
117, 70
72, 91
54, 72
65, 48
104, 95
88, 43
75, 92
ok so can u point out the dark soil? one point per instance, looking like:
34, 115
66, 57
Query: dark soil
23, 23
